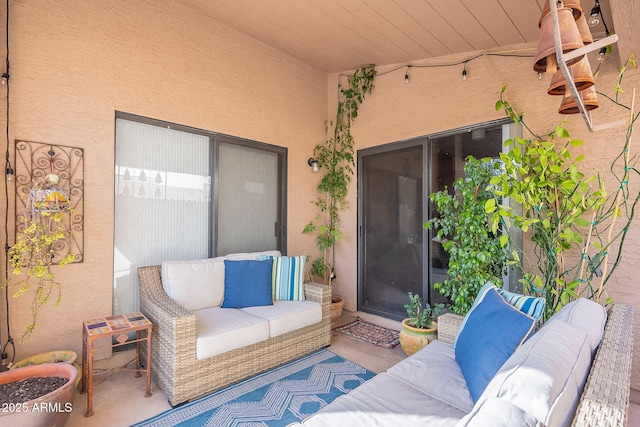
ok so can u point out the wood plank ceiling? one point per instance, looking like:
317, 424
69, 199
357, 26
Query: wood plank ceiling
340, 35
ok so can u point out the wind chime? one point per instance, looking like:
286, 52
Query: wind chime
574, 34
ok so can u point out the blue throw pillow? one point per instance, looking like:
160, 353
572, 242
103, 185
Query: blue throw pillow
493, 330
247, 283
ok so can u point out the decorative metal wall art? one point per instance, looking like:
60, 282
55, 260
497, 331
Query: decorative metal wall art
50, 179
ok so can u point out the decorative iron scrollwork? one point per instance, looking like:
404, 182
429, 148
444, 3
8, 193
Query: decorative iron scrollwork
51, 178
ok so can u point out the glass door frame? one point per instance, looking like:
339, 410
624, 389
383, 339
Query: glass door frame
509, 130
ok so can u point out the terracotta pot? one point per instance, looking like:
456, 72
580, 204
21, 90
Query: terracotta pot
52, 409
67, 356
413, 339
337, 303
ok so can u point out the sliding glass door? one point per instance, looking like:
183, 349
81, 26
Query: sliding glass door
396, 254
182, 193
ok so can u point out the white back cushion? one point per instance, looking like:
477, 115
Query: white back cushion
546, 375
195, 284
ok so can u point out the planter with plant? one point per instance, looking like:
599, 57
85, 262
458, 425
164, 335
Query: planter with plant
43, 242
476, 256
575, 225
335, 157
420, 326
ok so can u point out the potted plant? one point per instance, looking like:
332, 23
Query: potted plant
43, 241
38, 395
420, 327
335, 156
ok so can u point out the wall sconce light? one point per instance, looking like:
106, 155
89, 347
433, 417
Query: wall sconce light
313, 163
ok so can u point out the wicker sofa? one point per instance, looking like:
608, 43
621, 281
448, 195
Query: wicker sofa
179, 372
562, 387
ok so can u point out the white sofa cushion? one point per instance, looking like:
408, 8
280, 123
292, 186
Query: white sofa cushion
434, 371
195, 284
386, 401
546, 375
585, 315
495, 412
287, 316
223, 329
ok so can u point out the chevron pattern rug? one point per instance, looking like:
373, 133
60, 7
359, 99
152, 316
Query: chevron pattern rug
276, 398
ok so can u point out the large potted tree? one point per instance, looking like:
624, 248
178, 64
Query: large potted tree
335, 157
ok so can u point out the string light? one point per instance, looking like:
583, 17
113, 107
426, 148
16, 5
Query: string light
5, 78
407, 78
539, 76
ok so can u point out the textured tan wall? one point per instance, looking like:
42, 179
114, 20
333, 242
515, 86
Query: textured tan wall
75, 62
437, 99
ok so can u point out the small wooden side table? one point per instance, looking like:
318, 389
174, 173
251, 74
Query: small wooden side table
109, 326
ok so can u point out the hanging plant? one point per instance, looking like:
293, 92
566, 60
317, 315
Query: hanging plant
44, 235
336, 157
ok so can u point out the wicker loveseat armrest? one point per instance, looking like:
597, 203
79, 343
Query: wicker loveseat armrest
318, 292
448, 327
173, 325
605, 399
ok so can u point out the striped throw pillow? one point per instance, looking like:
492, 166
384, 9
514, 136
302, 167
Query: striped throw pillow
533, 306
288, 278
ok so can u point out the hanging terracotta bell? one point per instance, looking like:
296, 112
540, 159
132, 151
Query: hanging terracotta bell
582, 77
545, 60
589, 99
574, 5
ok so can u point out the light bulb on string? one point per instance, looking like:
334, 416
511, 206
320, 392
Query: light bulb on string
406, 75
464, 71
539, 76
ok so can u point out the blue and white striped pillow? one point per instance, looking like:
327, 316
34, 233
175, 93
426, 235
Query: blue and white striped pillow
288, 278
533, 306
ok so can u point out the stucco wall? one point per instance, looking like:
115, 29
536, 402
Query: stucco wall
437, 99
75, 62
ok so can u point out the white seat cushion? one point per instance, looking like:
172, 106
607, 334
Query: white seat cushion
434, 370
386, 401
546, 375
498, 413
287, 316
195, 284
224, 329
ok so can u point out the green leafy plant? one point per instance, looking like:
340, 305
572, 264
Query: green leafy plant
336, 158
421, 316
476, 255
33, 256
565, 211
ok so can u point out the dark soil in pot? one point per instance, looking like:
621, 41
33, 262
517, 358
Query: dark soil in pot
29, 389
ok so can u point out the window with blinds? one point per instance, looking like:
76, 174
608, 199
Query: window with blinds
182, 193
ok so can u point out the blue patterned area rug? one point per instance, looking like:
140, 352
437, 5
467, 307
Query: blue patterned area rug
276, 398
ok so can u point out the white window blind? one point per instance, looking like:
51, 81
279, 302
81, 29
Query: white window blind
162, 202
247, 199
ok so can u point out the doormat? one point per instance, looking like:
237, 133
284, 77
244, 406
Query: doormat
276, 398
370, 333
